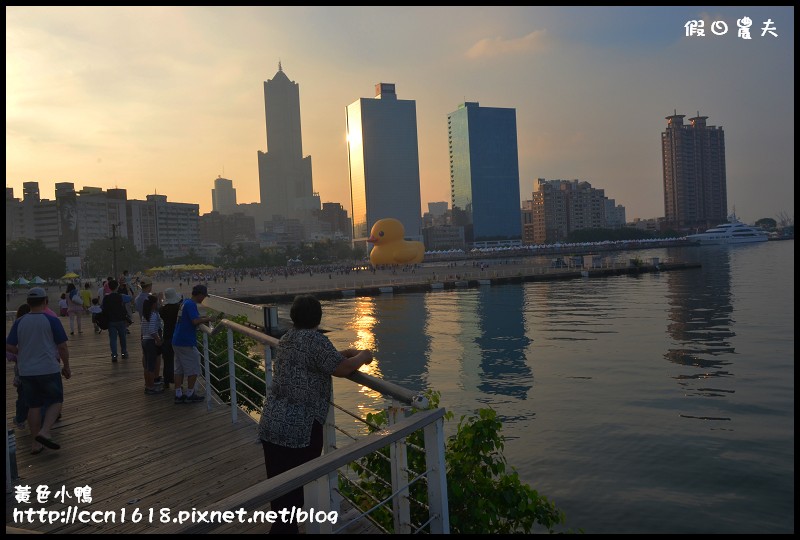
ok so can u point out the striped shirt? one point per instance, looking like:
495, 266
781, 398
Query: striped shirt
151, 327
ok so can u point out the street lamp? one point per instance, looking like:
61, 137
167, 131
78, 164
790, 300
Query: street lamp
114, 248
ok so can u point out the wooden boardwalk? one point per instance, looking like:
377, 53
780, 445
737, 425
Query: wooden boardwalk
135, 451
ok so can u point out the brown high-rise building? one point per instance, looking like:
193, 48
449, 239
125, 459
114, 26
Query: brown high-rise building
695, 186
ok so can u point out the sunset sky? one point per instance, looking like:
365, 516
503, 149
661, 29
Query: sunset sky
166, 99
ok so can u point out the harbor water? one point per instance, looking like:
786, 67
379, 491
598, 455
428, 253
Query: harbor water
653, 403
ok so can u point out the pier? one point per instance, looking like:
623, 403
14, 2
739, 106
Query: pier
141, 459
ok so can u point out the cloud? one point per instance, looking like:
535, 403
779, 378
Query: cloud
534, 42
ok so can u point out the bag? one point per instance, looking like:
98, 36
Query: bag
102, 320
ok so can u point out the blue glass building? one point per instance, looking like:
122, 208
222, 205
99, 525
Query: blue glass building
484, 172
383, 159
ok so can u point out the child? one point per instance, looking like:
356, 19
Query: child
94, 310
63, 305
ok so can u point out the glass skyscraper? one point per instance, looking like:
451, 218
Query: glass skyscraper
484, 172
383, 158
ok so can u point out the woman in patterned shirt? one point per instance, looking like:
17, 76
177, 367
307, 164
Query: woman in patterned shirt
297, 403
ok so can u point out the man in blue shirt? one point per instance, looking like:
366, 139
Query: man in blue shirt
39, 340
184, 343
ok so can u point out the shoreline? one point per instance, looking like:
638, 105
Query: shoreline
436, 272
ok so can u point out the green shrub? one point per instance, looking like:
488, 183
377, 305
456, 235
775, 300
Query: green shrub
485, 495
251, 373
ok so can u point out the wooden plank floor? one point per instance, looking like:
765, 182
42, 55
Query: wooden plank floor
133, 450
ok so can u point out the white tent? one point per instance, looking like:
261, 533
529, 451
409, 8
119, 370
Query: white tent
22, 281
37, 280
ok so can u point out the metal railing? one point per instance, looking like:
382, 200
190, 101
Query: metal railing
235, 378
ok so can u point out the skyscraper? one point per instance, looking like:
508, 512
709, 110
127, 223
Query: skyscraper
383, 158
223, 196
695, 185
484, 172
284, 175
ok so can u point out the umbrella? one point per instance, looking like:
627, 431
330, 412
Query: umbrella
69, 275
22, 281
37, 280
9, 282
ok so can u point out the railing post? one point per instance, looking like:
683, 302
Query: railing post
317, 500
334, 498
437, 477
232, 377
267, 369
207, 364
401, 506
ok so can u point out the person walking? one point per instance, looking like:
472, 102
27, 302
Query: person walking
21, 410
39, 340
114, 307
74, 308
95, 310
63, 305
86, 296
184, 343
296, 407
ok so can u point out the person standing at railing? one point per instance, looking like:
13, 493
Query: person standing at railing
184, 343
297, 404
169, 314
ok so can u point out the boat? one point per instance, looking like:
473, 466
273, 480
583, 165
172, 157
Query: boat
733, 232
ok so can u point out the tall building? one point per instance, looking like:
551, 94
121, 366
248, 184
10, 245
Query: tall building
223, 196
559, 207
284, 175
484, 172
695, 185
74, 220
383, 158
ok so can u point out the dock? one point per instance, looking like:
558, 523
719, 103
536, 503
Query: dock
436, 279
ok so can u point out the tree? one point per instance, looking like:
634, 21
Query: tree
767, 223
100, 256
784, 220
28, 257
153, 256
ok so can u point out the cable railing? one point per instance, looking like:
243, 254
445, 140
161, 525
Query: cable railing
241, 380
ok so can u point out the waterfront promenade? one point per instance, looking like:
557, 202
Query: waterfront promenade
134, 451
425, 277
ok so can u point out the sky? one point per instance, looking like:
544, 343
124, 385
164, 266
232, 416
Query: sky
166, 99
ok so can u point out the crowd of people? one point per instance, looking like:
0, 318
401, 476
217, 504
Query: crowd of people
296, 404
37, 344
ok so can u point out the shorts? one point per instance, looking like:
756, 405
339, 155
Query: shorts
151, 352
187, 360
41, 390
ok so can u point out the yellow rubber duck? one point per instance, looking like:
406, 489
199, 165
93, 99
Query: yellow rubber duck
389, 247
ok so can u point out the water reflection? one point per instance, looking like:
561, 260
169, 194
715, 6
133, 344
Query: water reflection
402, 342
502, 342
701, 322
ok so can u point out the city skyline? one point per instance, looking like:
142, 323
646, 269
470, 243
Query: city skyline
166, 99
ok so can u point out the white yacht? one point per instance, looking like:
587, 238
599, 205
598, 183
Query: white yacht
733, 232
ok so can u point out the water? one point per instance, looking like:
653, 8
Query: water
657, 403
